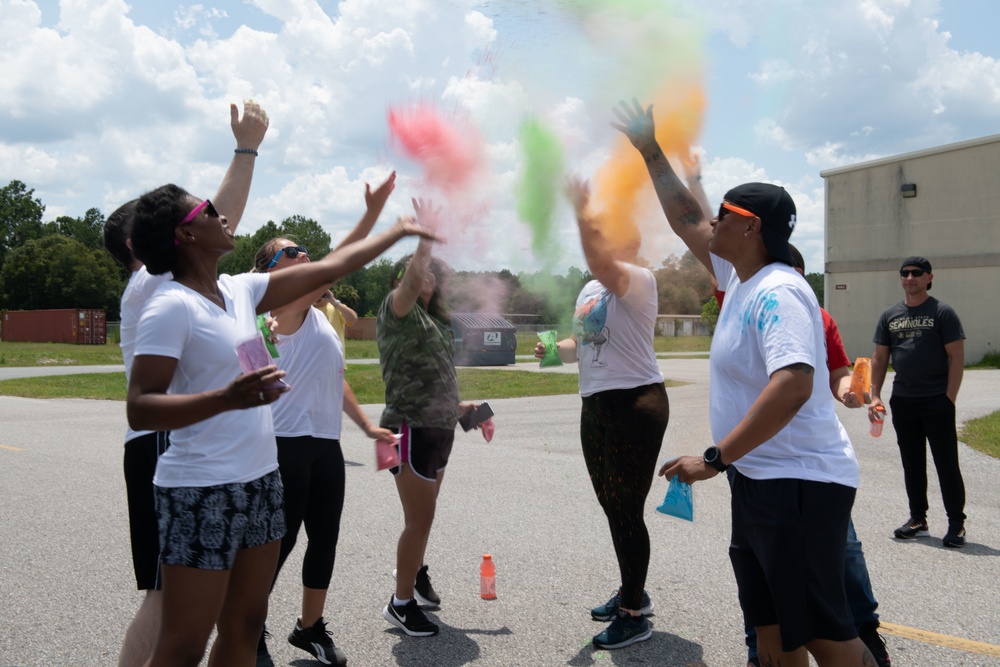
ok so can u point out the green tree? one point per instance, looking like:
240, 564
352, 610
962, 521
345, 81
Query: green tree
372, 284
683, 285
88, 230
240, 260
710, 314
815, 281
59, 272
347, 295
307, 232
20, 217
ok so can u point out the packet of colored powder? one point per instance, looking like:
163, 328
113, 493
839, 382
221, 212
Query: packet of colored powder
679, 501
551, 357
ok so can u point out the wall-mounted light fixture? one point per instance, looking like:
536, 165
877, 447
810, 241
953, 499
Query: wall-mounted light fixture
908, 189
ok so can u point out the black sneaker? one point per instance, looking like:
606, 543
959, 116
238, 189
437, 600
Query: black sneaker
316, 640
263, 657
753, 662
423, 591
624, 630
868, 633
912, 529
609, 609
955, 537
409, 619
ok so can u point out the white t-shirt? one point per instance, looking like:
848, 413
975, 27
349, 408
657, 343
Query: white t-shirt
767, 323
313, 357
614, 337
141, 286
233, 446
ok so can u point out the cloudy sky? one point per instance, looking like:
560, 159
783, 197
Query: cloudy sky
101, 100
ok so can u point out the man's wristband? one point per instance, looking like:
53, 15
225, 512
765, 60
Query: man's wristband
248, 151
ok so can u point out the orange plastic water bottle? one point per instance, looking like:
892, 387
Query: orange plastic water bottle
876, 430
487, 578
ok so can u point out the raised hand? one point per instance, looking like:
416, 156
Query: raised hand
636, 123
428, 214
692, 166
408, 226
375, 199
249, 131
578, 191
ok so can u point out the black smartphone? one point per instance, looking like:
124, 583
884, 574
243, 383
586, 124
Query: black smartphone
474, 418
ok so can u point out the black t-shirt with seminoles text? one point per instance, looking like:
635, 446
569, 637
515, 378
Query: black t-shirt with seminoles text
916, 338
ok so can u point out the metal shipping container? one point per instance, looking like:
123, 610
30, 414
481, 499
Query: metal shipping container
483, 340
84, 326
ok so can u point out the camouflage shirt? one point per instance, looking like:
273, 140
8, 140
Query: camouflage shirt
416, 354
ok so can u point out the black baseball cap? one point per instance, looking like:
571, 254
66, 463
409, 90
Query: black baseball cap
917, 261
776, 211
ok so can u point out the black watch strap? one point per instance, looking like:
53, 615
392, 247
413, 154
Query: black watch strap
713, 457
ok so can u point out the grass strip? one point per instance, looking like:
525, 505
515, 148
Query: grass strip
983, 434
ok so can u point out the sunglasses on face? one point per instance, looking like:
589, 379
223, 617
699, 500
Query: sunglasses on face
916, 273
203, 206
292, 251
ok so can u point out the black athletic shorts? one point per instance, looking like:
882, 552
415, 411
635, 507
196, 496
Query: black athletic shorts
788, 549
427, 450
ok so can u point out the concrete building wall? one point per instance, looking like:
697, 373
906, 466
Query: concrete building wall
953, 221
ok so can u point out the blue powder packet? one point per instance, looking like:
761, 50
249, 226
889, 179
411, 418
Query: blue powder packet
679, 501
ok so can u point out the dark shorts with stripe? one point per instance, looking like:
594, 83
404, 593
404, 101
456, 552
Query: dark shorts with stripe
427, 450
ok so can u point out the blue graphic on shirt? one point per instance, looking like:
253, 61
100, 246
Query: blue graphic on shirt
590, 319
768, 311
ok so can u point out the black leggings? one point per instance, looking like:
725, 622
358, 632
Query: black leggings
621, 431
312, 471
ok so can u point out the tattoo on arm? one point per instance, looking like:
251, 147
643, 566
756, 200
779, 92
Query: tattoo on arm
805, 368
692, 218
653, 157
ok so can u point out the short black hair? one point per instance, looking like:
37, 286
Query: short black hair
797, 260
117, 229
157, 214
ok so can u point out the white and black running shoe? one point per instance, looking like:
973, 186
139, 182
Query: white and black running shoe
409, 619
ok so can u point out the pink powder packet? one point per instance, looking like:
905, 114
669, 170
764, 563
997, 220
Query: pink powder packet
386, 454
487, 428
253, 354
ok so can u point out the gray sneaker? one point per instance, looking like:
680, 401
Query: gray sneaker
955, 537
624, 630
316, 640
609, 610
912, 529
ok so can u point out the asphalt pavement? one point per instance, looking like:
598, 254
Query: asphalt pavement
67, 589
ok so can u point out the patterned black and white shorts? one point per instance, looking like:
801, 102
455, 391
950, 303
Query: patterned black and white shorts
204, 527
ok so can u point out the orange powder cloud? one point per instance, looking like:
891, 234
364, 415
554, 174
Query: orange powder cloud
619, 185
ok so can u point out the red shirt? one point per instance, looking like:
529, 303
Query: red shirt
836, 355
